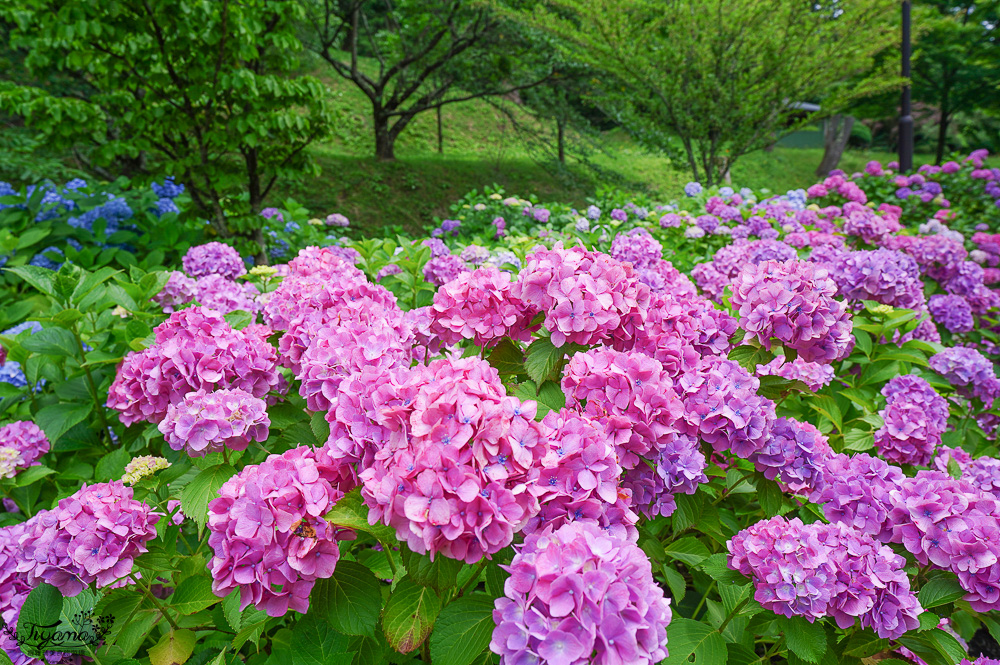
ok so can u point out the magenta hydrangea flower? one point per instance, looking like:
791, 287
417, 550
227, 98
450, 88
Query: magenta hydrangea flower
883, 275
637, 247
915, 417
953, 312
819, 570
855, 491
224, 295
578, 478
578, 596
209, 422
451, 475
92, 536
195, 349
481, 306
661, 276
981, 472
795, 456
722, 407
325, 263
792, 302
267, 530
338, 350
871, 227
21, 444
587, 297
336, 219
969, 371
679, 330
443, 269
214, 258
177, 292
677, 467
814, 375
630, 395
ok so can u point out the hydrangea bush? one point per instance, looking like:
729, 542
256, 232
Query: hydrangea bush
728, 428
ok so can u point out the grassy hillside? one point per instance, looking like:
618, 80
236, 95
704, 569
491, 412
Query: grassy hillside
482, 146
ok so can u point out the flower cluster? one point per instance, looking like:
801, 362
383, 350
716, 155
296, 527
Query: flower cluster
195, 349
480, 305
577, 595
142, 466
914, 417
214, 258
819, 570
92, 536
953, 312
856, 490
722, 407
578, 478
452, 474
969, 371
638, 248
209, 422
814, 375
883, 275
794, 455
267, 530
982, 472
792, 302
21, 444
441, 270
587, 297
630, 395
677, 467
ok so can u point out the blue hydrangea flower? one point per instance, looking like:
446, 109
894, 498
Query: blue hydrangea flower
693, 188
169, 189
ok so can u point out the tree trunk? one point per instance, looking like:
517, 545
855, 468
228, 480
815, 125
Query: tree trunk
836, 133
385, 140
561, 139
440, 133
943, 127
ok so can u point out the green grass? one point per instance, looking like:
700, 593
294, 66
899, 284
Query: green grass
481, 147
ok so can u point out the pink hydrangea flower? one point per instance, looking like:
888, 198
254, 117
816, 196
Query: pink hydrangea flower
441, 270
587, 297
177, 292
819, 570
481, 306
22, 443
214, 258
209, 422
451, 473
792, 303
195, 349
92, 536
578, 596
267, 530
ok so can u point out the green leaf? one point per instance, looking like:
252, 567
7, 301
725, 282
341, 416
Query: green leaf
940, 591
112, 465
717, 567
352, 513
239, 319
551, 395
39, 614
440, 574
193, 595
864, 342
828, 406
859, 439
507, 358
350, 600
134, 616
202, 489
769, 495
316, 643
40, 278
53, 342
864, 644
57, 419
686, 638
462, 631
804, 639
251, 627
690, 551
320, 428
32, 474
409, 615
542, 358
174, 648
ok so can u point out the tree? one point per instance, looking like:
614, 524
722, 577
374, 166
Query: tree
957, 64
412, 56
720, 77
191, 88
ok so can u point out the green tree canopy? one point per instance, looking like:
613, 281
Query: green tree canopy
192, 88
722, 77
